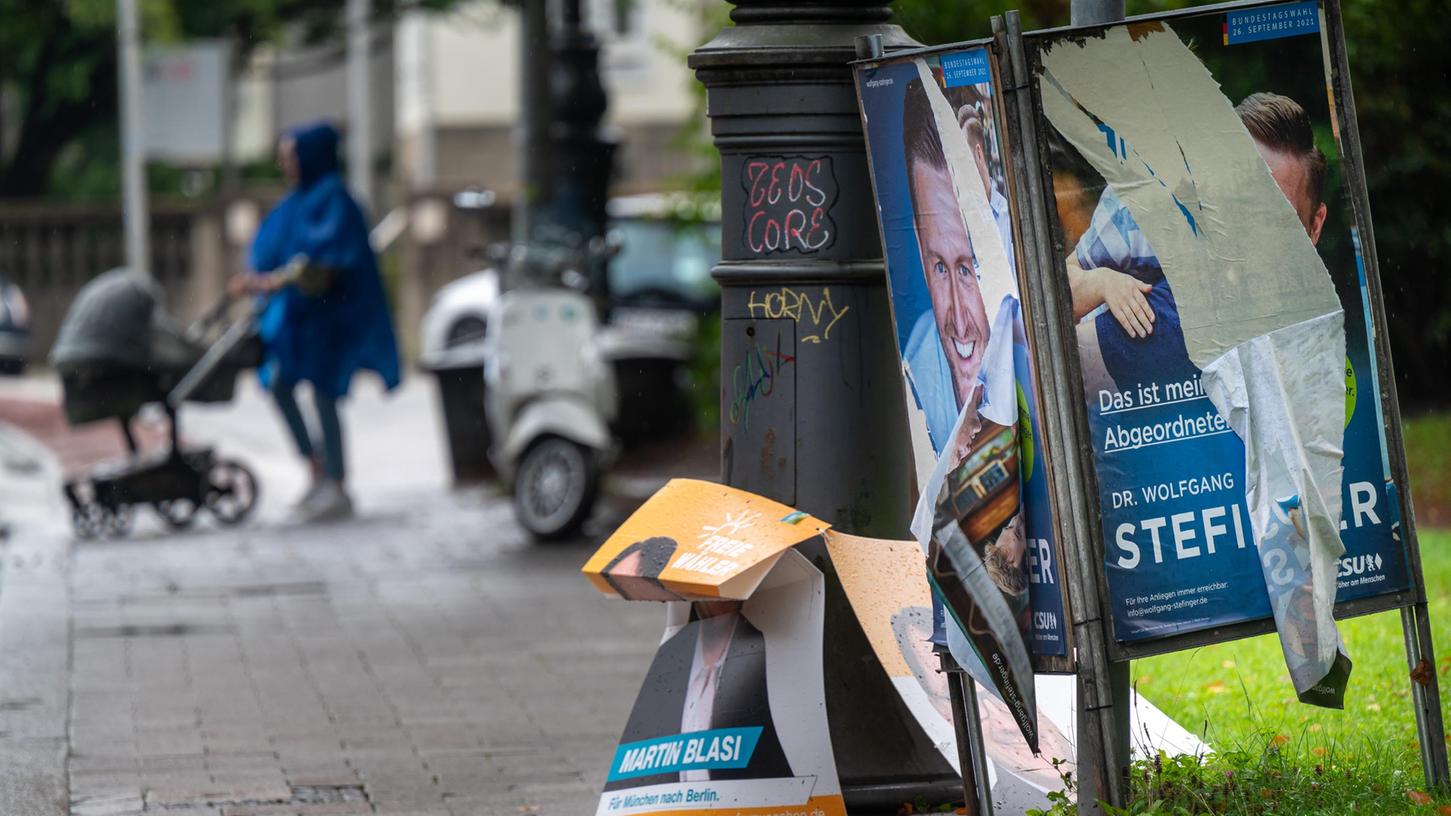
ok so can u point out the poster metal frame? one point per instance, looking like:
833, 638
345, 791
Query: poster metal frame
1097, 656
1355, 187
1044, 300
1411, 602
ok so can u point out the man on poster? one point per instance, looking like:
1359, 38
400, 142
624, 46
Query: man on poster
964, 374
1113, 265
710, 676
1253, 323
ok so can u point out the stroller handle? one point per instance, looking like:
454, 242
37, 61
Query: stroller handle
211, 317
218, 312
231, 338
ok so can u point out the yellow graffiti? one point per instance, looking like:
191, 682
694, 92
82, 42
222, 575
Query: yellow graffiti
818, 313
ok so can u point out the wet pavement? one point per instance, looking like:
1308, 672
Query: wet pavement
421, 659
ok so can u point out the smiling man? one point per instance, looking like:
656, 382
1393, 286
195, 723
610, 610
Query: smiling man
948, 342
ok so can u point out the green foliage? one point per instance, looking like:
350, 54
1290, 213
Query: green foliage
1428, 446
934, 23
59, 71
1261, 779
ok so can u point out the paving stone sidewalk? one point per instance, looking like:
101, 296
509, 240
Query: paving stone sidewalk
422, 660
414, 662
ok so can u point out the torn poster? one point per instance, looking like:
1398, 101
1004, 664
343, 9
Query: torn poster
697, 541
1200, 281
891, 599
731, 716
983, 518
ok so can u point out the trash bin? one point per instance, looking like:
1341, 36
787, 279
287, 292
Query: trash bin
460, 378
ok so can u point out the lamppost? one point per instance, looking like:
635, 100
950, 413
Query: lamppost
813, 412
583, 150
564, 154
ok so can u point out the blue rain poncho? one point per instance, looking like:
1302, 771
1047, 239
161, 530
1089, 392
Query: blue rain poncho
323, 338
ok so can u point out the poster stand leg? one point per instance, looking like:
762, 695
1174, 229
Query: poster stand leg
1090, 774
1415, 619
966, 722
1101, 730
1425, 693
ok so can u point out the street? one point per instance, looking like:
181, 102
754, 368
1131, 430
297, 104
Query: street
422, 658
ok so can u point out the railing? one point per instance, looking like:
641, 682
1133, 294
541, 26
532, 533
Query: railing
51, 250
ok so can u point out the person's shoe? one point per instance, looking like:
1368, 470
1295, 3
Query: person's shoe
299, 508
329, 502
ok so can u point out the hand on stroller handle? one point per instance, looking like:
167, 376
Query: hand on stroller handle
246, 283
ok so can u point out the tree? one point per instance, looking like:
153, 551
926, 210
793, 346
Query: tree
935, 23
58, 80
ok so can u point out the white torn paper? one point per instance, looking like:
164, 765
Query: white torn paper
996, 276
1183, 162
1258, 309
1292, 477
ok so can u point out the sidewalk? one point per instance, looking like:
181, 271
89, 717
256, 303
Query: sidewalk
423, 659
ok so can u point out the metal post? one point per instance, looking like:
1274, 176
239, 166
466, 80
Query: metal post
1115, 761
1101, 730
967, 725
804, 303
1095, 12
531, 132
1425, 693
1416, 619
583, 150
133, 159
360, 103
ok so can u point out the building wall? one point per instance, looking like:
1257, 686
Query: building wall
458, 92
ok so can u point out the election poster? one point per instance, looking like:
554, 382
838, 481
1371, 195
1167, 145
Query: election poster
889, 595
1222, 322
731, 716
938, 163
896, 616
697, 540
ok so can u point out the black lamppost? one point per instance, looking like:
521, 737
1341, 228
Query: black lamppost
583, 149
812, 404
564, 154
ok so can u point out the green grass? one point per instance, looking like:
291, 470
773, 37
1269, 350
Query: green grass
1275, 755
1428, 449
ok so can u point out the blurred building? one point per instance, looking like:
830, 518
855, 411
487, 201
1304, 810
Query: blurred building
446, 94
457, 92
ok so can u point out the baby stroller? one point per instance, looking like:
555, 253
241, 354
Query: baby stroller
117, 352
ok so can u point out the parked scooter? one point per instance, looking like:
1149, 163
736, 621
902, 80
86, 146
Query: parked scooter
550, 393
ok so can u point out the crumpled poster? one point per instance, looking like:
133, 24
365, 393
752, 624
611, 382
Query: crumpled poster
971, 505
1258, 309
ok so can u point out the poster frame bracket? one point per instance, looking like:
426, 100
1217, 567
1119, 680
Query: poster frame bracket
1101, 755
1415, 615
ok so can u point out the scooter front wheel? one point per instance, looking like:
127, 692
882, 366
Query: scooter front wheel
555, 488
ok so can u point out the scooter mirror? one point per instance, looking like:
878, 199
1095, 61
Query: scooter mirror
474, 198
574, 280
608, 246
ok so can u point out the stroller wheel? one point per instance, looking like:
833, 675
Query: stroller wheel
87, 521
231, 491
117, 522
177, 513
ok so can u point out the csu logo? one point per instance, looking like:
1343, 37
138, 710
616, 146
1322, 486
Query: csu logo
1359, 565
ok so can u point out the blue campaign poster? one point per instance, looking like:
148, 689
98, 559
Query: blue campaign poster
1179, 548
943, 310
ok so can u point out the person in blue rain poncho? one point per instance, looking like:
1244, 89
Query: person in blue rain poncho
326, 315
